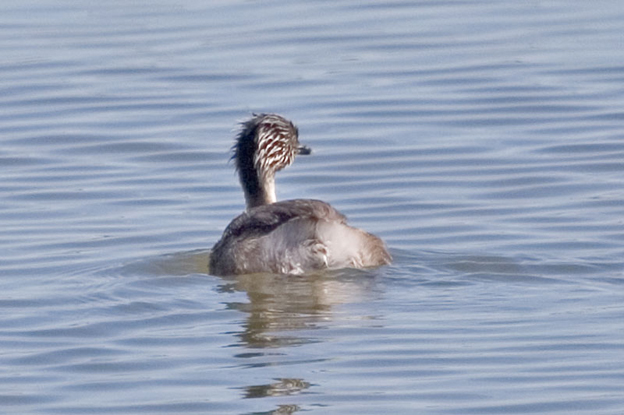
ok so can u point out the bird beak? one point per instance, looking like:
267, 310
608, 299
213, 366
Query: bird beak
304, 150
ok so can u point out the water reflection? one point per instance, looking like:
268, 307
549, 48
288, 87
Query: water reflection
281, 410
281, 310
283, 387
284, 311
282, 307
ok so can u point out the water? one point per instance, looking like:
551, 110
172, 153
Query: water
483, 140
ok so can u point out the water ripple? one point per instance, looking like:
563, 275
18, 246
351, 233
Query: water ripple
481, 140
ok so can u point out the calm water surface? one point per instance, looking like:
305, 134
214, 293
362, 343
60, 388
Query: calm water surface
483, 140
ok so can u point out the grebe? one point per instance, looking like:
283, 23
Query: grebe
290, 236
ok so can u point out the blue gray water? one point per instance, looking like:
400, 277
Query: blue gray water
483, 140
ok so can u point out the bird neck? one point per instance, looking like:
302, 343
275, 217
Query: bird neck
259, 188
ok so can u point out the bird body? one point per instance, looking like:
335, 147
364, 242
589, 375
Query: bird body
291, 236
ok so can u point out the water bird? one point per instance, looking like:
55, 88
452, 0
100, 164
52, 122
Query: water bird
291, 236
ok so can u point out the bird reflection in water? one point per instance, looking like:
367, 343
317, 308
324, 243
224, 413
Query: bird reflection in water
283, 309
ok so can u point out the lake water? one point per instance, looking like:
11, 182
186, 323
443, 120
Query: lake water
483, 140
